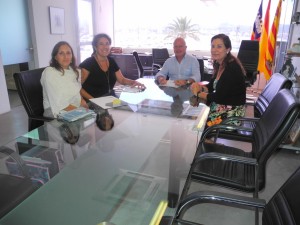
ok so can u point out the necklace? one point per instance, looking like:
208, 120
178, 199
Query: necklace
105, 70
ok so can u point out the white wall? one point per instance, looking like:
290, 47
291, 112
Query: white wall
4, 102
43, 40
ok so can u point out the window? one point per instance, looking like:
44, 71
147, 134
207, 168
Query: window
85, 25
140, 24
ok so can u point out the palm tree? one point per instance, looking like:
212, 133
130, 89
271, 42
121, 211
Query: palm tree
182, 27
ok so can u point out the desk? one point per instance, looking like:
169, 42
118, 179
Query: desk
119, 176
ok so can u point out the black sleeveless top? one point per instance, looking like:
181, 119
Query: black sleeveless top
99, 83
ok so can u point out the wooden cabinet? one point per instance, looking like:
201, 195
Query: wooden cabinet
128, 65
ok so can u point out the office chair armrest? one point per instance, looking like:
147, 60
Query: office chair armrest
43, 118
233, 158
12, 154
216, 128
157, 66
200, 197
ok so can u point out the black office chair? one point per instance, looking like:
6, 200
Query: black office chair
31, 94
275, 84
237, 169
201, 64
14, 188
249, 55
142, 70
159, 55
282, 208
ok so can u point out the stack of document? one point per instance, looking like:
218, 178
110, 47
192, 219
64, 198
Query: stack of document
75, 114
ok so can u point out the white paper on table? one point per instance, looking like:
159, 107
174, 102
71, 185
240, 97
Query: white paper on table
102, 101
170, 83
132, 89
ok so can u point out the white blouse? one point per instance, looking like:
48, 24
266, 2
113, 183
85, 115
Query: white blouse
60, 90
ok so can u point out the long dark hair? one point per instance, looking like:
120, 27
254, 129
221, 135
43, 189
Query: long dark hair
96, 39
229, 57
55, 64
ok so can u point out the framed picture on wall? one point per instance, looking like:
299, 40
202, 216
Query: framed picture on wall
57, 20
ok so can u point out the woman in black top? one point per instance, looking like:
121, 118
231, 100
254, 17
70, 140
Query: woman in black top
99, 73
226, 91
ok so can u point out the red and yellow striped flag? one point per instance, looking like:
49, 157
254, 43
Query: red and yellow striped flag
263, 44
272, 39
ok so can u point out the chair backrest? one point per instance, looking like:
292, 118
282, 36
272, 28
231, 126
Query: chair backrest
273, 127
275, 84
201, 64
30, 91
249, 55
138, 63
160, 55
16, 184
283, 208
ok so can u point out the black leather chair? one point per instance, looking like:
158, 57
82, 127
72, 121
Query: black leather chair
237, 169
31, 94
201, 65
275, 84
14, 189
159, 55
142, 69
282, 208
249, 55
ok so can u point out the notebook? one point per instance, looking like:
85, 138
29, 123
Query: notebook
75, 114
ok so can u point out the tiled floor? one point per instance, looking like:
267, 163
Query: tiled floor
279, 168
13, 123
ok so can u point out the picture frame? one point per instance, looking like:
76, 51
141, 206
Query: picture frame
57, 20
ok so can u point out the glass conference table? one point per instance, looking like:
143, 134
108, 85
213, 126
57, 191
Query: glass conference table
132, 174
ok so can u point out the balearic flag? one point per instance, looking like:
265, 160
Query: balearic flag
263, 44
270, 55
257, 26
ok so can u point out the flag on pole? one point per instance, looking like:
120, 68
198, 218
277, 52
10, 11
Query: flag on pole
263, 44
270, 55
257, 26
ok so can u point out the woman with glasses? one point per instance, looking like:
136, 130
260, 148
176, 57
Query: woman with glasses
99, 73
